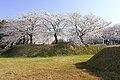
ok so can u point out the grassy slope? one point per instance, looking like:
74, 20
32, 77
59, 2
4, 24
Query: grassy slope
52, 68
49, 50
107, 61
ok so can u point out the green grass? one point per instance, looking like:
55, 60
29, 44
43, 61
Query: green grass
51, 68
49, 50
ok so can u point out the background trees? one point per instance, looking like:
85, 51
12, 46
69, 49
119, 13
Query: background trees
111, 34
21, 30
2, 22
45, 27
11, 33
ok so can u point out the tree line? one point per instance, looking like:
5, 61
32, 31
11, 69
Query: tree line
47, 27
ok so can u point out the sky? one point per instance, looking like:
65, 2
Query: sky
106, 9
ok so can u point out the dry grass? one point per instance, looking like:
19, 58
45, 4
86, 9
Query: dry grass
52, 68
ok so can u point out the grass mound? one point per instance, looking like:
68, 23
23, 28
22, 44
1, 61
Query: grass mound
49, 50
107, 60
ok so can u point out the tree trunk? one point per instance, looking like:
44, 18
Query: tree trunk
23, 40
31, 38
56, 40
82, 41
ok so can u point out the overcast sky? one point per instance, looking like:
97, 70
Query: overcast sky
107, 9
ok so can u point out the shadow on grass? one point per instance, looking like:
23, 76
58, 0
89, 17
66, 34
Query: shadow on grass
104, 75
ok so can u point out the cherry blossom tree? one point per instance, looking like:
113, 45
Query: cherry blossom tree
54, 23
21, 30
84, 24
30, 25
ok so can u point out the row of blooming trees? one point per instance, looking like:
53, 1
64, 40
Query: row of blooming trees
26, 27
